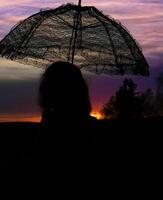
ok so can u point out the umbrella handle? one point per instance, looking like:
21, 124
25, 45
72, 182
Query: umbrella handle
79, 4
75, 28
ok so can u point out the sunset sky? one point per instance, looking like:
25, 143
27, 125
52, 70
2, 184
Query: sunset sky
19, 83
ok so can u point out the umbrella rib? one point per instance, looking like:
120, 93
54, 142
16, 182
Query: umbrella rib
124, 36
64, 22
31, 32
95, 25
19, 24
113, 22
140, 53
111, 41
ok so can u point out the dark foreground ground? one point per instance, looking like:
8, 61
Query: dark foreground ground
130, 150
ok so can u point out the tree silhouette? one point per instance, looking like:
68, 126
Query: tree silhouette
148, 103
159, 94
125, 104
109, 109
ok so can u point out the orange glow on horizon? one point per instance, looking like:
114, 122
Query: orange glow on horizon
97, 115
19, 118
35, 118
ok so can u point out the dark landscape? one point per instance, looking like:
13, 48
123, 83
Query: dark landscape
134, 143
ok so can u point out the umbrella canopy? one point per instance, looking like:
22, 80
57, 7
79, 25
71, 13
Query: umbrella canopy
81, 35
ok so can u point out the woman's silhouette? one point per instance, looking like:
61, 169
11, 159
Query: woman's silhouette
64, 96
68, 131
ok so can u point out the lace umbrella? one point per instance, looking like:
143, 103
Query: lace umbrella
81, 35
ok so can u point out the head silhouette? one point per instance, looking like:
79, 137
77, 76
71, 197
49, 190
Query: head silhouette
63, 92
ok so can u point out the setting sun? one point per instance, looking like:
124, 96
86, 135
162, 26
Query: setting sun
97, 115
